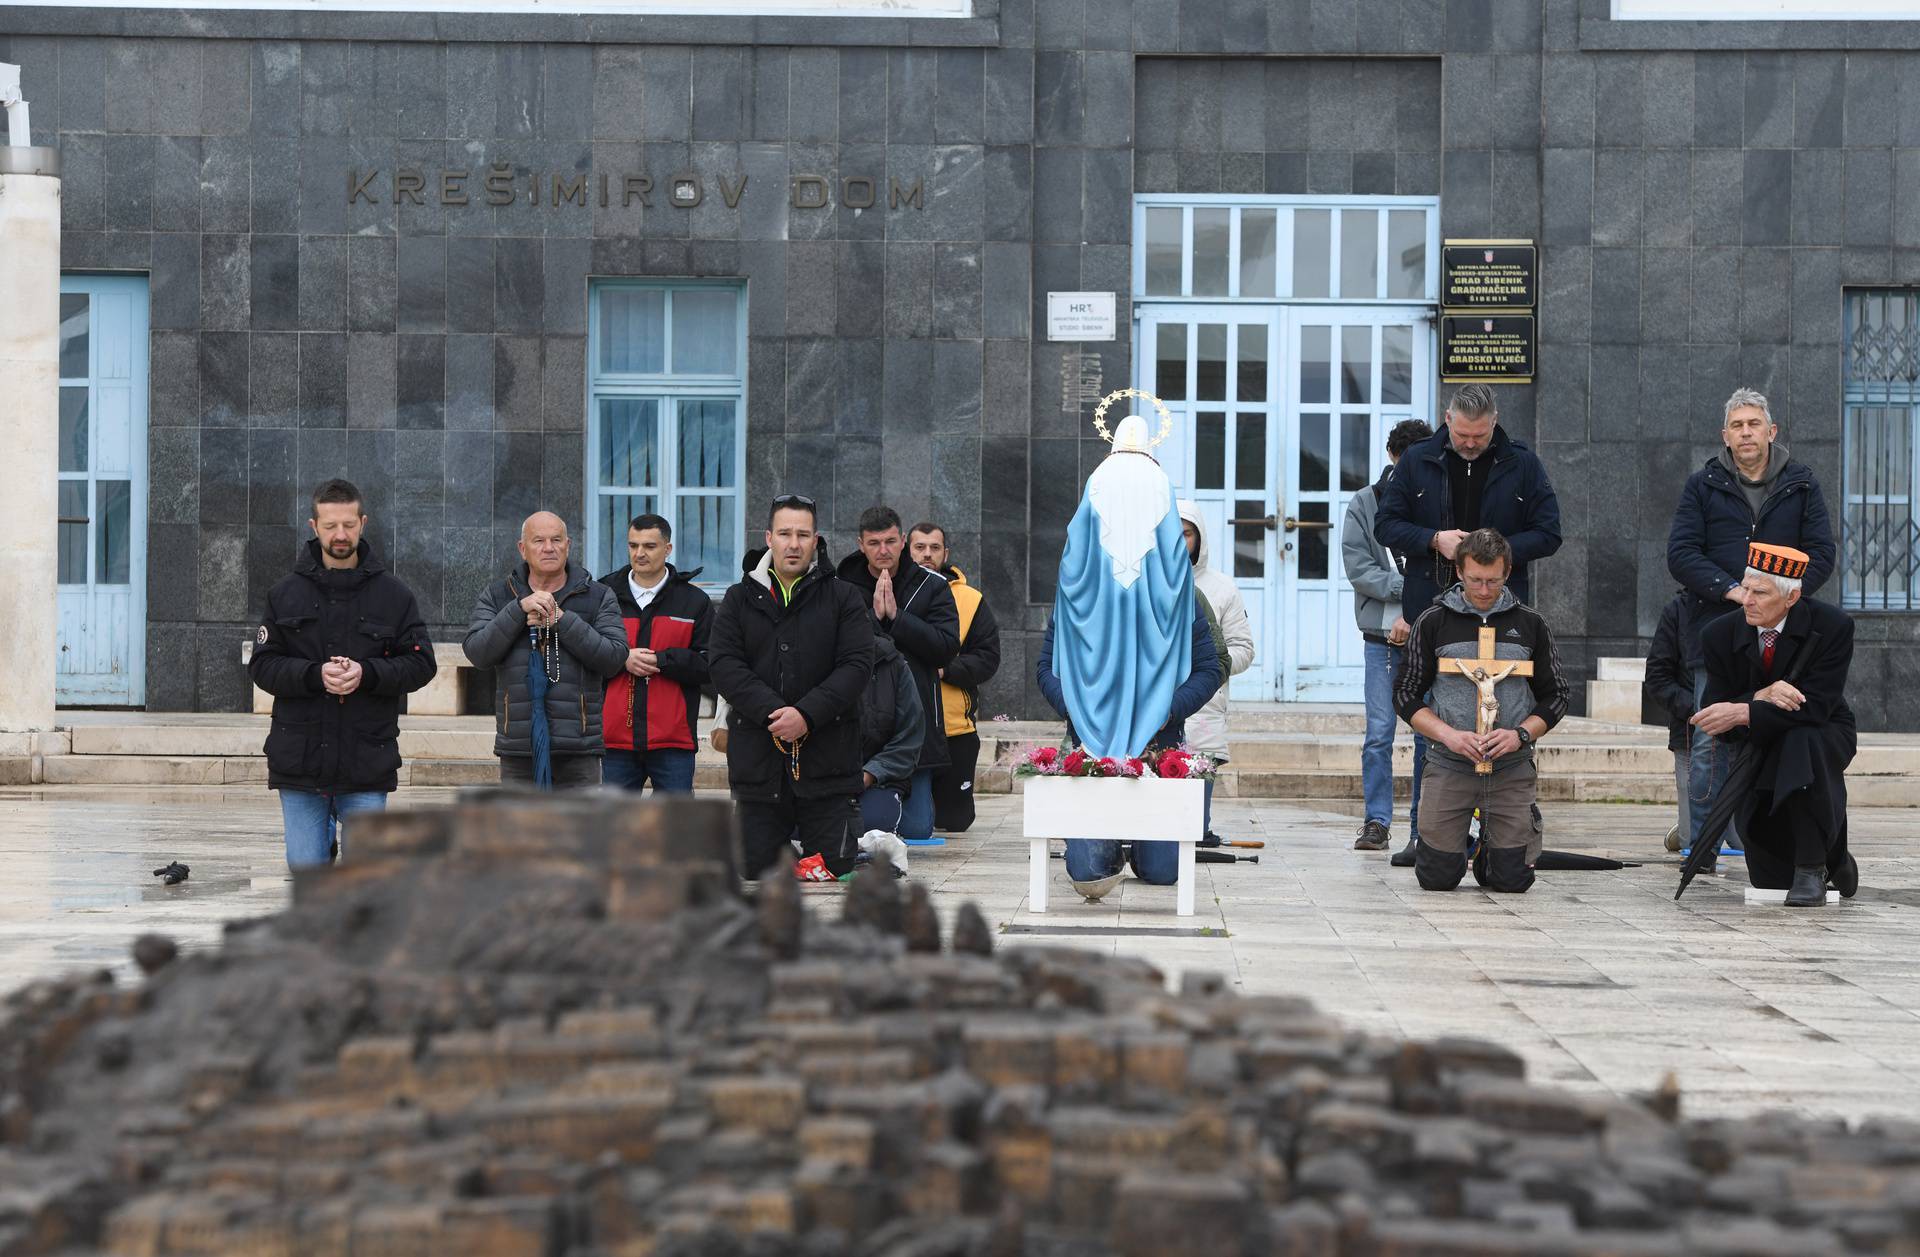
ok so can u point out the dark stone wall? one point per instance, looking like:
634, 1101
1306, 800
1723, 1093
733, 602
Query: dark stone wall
1702, 193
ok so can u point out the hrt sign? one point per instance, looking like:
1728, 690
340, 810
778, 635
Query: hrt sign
1080, 316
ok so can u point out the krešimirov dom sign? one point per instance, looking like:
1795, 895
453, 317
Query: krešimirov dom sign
503, 185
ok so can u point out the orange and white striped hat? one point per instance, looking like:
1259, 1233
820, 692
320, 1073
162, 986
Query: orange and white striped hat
1777, 560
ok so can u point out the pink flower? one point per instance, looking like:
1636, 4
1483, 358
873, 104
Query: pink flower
1135, 767
1108, 768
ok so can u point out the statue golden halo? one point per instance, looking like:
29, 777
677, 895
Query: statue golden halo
1100, 414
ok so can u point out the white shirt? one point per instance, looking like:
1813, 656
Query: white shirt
642, 594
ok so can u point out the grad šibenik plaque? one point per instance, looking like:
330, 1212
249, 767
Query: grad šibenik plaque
1488, 348
1488, 291
1489, 275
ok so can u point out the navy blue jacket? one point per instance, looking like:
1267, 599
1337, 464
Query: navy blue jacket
1189, 698
1707, 547
1416, 502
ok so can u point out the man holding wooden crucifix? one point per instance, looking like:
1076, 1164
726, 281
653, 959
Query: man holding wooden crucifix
1496, 688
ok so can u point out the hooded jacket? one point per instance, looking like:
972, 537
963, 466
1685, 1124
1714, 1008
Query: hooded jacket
325, 742
662, 713
927, 631
593, 647
1207, 728
1707, 545
1372, 569
977, 660
890, 718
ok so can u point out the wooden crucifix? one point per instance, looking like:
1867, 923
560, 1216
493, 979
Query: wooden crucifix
1484, 679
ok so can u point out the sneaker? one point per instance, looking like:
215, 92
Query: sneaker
812, 869
1096, 890
1373, 837
1403, 858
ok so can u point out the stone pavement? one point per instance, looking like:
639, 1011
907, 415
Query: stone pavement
1598, 979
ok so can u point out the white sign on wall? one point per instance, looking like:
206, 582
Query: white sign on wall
1080, 316
1765, 11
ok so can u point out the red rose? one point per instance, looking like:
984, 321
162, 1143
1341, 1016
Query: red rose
1045, 757
1174, 765
1109, 768
1135, 767
1075, 763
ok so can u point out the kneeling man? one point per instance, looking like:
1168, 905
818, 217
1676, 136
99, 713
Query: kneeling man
1794, 818
1497, 688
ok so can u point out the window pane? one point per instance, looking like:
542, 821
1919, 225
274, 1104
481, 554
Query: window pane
1407, 253
73, 532
1312, 251
1354, 452
73, 336
1210, 373
704, 537
706, 333
1171, 348
616, 511
707, 445
1313, 453
1316, 364
73, 428
1356, 365
1250, 451
1359, 254
1313, 541
1210, 450
628, 435
1252, 381
1210, 228
1163, 252
1396, 366
1257, 241
633, 330
1249, 540
114, 561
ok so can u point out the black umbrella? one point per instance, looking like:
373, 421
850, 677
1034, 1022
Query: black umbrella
1733, 792
1573, 862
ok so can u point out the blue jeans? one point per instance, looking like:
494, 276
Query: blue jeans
1707, 769
312, 818
1376, 751
1090, 859
881, 807
916, 816
670, 770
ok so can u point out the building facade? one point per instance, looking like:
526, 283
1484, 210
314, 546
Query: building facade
486, 263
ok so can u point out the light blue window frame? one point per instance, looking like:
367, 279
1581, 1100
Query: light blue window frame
669, 399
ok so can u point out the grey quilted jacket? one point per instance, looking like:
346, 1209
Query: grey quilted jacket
593, 647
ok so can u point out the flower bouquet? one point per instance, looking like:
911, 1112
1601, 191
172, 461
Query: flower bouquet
1178, 763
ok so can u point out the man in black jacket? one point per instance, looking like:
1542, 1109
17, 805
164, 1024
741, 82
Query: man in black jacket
1752, 490
1468, 475
652, 705
791, 651
340, 642
1669, 684
971, 667
914, 607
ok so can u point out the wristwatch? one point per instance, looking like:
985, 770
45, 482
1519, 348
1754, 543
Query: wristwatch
1526, 739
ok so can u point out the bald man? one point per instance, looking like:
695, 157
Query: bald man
553, 635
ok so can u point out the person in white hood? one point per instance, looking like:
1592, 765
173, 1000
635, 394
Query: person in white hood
1233, 636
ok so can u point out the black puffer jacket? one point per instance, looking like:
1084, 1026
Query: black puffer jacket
815, 654
593, 646
320, 741
927, 631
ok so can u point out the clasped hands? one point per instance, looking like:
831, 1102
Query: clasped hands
1719, 718
542, 611
787, 724
1482, 748
341, 675
642, 662
884, 607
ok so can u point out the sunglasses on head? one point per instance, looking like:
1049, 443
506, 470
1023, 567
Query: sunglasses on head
793, 499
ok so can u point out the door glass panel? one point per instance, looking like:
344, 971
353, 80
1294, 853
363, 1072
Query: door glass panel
1354, 463
1252, 375
1396, 366
1407, 253
616, 511
1316, 364
73, 336
1210, 371
1313, 541
1356, 365
706, 337
1360, 254
112, 526
73, 428
73, 532
1170, 348
1249, 540
1210, 450
1210, 252
1250, 451
707, 453
1257, 248
628, 436
704, 536
1163, 252
1313, 453
633, 323
1312, 245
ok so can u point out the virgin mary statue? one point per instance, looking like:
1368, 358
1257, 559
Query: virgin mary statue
1123, 616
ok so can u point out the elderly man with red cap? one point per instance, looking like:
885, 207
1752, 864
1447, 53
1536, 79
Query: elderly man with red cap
1776, 678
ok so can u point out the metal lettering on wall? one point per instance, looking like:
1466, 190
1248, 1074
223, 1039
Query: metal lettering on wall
503, 185
1489, 292
1081, 382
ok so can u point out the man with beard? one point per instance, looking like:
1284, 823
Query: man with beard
341, 641
960, 681
553, 636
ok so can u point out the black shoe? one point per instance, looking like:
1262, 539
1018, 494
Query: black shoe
1373, 837
1846, 878
1403, 858
1210, 839
1809, 888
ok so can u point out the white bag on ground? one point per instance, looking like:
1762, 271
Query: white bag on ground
882, 845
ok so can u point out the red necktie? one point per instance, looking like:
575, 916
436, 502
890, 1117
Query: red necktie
1767, 638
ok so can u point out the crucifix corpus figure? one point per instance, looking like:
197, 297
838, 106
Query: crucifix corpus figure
1482, 683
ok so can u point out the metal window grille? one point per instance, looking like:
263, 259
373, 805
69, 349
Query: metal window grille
1880, 538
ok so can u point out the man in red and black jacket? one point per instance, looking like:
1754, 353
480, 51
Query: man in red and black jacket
652, 706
